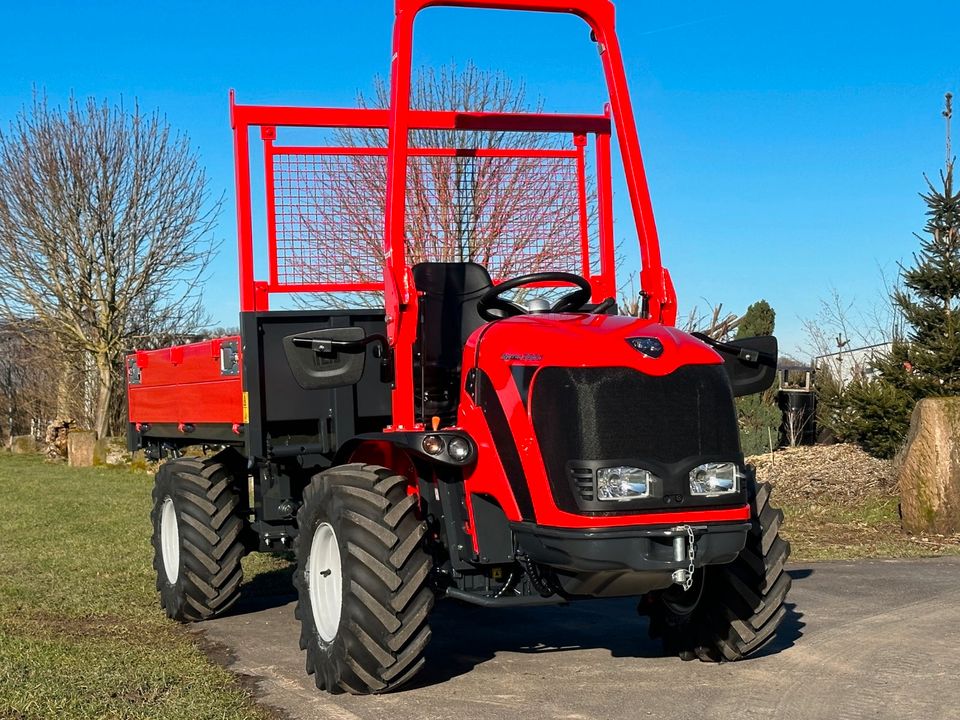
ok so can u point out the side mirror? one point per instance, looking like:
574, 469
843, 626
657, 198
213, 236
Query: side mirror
751, 363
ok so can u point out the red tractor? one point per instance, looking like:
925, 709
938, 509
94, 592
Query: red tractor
463, 441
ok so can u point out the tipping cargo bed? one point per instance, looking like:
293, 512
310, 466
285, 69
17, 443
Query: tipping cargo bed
188, 390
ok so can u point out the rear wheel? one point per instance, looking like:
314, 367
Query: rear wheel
197, 541
363, 597
730, 610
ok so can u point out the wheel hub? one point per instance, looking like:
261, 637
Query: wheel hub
325, 582
170, 540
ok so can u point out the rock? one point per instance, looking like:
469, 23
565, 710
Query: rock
83, 450
115, 451
23, 444
929, 468
56, 438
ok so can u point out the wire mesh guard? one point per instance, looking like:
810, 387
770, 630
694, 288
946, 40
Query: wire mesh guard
513, 214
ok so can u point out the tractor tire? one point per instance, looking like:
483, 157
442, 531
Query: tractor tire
362, 580
731, 610
197, 538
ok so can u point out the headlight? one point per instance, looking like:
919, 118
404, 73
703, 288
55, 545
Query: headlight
458, 449
623, 483
432, 444
715, 479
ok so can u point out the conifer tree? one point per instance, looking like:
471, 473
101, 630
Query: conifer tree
759, 319
758, 416
929, 355
925, 360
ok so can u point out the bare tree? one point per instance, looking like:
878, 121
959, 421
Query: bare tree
717, 324
842, 333
510, 213
28, 383
105, 233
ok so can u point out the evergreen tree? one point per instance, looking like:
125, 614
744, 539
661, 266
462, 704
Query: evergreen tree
758, 416
925, 361
759, 319
928, 361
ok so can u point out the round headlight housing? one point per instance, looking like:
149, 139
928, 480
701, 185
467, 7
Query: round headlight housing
432, 444
458, 449
715, 479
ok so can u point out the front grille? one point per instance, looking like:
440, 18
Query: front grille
587, 418
582, 478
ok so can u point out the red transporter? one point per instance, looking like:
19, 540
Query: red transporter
496, 433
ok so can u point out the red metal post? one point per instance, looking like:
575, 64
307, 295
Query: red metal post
400, 314
580, 142
241, 152
608, 270
268, 133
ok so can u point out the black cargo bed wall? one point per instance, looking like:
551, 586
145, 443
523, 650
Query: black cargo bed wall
286, 419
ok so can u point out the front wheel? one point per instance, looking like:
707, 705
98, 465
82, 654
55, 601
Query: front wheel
363, 596
197, 537
731, 610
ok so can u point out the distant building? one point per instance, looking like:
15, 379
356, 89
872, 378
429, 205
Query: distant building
847, 364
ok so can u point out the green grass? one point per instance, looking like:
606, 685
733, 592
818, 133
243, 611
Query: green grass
81, 631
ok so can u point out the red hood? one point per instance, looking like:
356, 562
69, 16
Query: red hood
579, 340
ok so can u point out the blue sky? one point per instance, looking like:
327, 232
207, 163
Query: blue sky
784, 142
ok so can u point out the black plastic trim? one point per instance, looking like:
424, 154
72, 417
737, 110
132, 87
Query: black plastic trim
413, 442
670, 489
200, 433
505, 601
638, 549
506, 446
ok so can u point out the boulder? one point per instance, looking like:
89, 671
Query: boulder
115, 451
56, 438
929, 468
23, 444
83, 449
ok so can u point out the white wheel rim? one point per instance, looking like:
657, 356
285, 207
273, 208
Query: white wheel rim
325, 582
170, 540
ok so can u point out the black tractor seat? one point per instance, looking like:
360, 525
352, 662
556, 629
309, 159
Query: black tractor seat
449, 292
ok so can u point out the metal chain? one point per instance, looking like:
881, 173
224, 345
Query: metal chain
691, 555
684, 577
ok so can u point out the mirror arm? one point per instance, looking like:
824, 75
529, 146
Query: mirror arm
746, 354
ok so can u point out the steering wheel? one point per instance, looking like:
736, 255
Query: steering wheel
491, 301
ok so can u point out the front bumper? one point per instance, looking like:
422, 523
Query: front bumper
648, 549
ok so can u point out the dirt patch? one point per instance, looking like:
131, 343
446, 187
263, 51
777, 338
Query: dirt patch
227, 658
105, 626
839, 473
841, 503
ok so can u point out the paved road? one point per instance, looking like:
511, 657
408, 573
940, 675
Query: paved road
868, 639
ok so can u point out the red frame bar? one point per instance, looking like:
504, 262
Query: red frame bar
426, 152
291, 116
581, 143
605, 217
241, 153
268, 133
